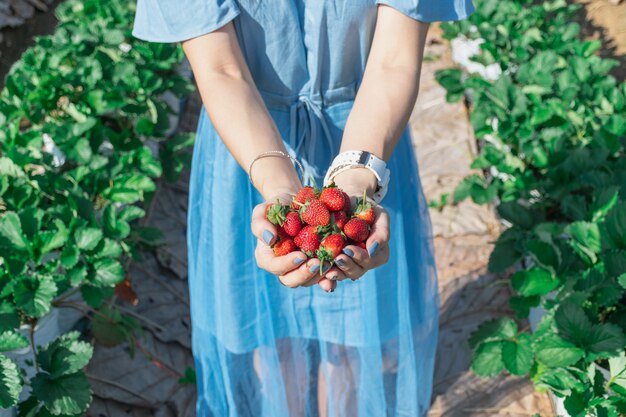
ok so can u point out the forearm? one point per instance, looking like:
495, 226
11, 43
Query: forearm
237, 110
381, 110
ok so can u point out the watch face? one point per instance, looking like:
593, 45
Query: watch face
363, 158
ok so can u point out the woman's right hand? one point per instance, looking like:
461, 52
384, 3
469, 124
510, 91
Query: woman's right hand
293, 270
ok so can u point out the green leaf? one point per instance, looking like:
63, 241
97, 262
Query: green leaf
69, 256
53, 239
585, 240
87, 237
130, 213
487, 359
615, 225
534, 281
559, 380
107, 272
10, 382
517, 214
95, 296
66, 394
617, 366
554, 352
496, 329
572, 323
518, 355
65, 355
622, 280
606, 337
9, 318
11, 234
12, 340
33, 294
545, 254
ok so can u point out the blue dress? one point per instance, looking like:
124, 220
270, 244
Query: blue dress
262, 349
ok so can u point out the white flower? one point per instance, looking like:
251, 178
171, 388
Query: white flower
125, 47
58, 157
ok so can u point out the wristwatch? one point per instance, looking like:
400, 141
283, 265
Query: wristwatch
361, 159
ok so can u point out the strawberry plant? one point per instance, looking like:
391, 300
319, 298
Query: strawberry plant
82, 142
552, 132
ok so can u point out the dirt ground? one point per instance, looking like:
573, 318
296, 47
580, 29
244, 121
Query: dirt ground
602, 20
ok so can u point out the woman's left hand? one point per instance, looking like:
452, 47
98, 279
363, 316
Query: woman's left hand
356, 261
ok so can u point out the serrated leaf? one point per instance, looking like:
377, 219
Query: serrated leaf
95, 296
572, 323
11, 234
495, 329
545, 254
65, 355
33, 294
534, 281
553, 351
615, 225
9, 318
11, 340
69, 256
487, 359
559, 380
622, 280
87, 237
10, 382
585, 240
606, 337
66, 394
107, 272
518, 355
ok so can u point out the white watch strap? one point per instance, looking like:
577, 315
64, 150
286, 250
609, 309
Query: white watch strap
353, 159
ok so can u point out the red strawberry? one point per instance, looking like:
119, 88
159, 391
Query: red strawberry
307, 239
361, 245
346, 206
340, 218
315, 213
364, 211
292, 224
304, 195
356, 229
330, 248
282, 234
333, 198
284, 247
275, 213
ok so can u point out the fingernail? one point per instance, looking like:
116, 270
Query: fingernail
373, 249
298, 261
348, 252
340, 262
331, 290
314, 268
325, 268
267, 236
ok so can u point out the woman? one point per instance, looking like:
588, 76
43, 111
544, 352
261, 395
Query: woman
279, 78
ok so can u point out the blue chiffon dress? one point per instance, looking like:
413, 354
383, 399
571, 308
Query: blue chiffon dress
262, 349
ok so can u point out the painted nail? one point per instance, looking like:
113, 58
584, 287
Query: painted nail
331, 290
348, 252
373, 249
314, 268
340, 262
325, 268
298, 261
267, 236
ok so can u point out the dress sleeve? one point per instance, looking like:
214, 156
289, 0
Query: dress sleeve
432, 10
179, 20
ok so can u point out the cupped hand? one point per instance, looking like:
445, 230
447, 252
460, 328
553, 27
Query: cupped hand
293, 270
356, 261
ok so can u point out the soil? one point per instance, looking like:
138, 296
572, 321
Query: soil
14, 41
600, 19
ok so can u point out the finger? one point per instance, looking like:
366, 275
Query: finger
327, 285
262, 228
348, 267
379, 234
277, 265
358, 255
335, 274
306, 275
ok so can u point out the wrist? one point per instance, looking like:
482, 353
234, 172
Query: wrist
276, 176
355, 180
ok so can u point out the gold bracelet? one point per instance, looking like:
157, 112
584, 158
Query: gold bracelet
274, 153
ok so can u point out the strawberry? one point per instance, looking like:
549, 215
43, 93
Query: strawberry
346, 207
304, 195
364, 211
340, 218
333, 198
275, 213
361, 245
307, 239
330, 248
292, 224
315, 213
283, 247
282, 234
356, 229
